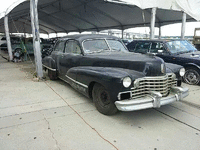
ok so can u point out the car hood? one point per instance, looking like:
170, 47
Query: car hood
148, 65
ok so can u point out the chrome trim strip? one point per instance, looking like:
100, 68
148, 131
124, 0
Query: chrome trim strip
85, 86
49, 68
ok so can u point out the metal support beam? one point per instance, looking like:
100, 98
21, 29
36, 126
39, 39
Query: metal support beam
160, 32
36, 37
153, 18
122, 33
8, 38
183, 26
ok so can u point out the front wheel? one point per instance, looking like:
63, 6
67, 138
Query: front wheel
192, 76
18, 55
102, 100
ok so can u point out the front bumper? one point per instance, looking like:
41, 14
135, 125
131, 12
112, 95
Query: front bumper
153, 100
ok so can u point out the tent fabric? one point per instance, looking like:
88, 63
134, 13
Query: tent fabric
87, 15
190, 7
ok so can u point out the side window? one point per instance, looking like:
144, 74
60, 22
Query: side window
60, 46
131, 46
72, 47
142, 47
155, 46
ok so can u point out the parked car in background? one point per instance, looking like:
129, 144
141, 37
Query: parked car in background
100, 67
2, 42
26, 45
196, 38
22, 46
179, 52
126, 41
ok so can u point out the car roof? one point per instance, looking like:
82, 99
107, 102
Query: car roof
82, 37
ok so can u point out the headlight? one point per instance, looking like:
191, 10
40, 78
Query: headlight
182, 72
127, 82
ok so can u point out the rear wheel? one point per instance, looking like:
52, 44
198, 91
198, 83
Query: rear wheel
102, 100
52, 75
192, 76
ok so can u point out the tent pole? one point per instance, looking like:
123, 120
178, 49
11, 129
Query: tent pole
153, 18
183, 26
8, 38
160, 32
36, 37
122, 33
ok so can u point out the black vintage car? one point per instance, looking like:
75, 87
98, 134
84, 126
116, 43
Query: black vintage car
179, 52
100, 67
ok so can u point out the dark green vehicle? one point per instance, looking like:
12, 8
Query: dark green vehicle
25, 45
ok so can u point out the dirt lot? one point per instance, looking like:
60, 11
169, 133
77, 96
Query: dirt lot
50, 115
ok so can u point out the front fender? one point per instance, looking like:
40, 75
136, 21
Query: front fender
86, 75
192, 64
110, 78
14, 47
173, 68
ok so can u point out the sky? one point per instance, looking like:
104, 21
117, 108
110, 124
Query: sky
167, 30
170, 30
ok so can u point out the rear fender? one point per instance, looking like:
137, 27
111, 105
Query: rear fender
49, 63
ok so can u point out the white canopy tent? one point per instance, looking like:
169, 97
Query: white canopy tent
190, 7
92, 15
88, 15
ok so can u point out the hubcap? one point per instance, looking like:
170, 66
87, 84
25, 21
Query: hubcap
192, 77
104, 98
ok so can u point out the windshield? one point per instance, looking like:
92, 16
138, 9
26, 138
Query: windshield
102, 45
180, 46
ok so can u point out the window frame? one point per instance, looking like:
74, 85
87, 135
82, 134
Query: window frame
58, 42
75, 41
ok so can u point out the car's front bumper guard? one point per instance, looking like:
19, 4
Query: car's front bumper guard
153, 100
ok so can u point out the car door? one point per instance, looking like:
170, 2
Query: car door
165, 54
57, 52
69, 59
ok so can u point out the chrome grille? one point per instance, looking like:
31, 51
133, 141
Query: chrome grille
160, 84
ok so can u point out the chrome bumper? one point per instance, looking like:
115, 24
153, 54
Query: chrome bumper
153, 100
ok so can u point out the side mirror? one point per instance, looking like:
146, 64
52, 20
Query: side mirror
160, 51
